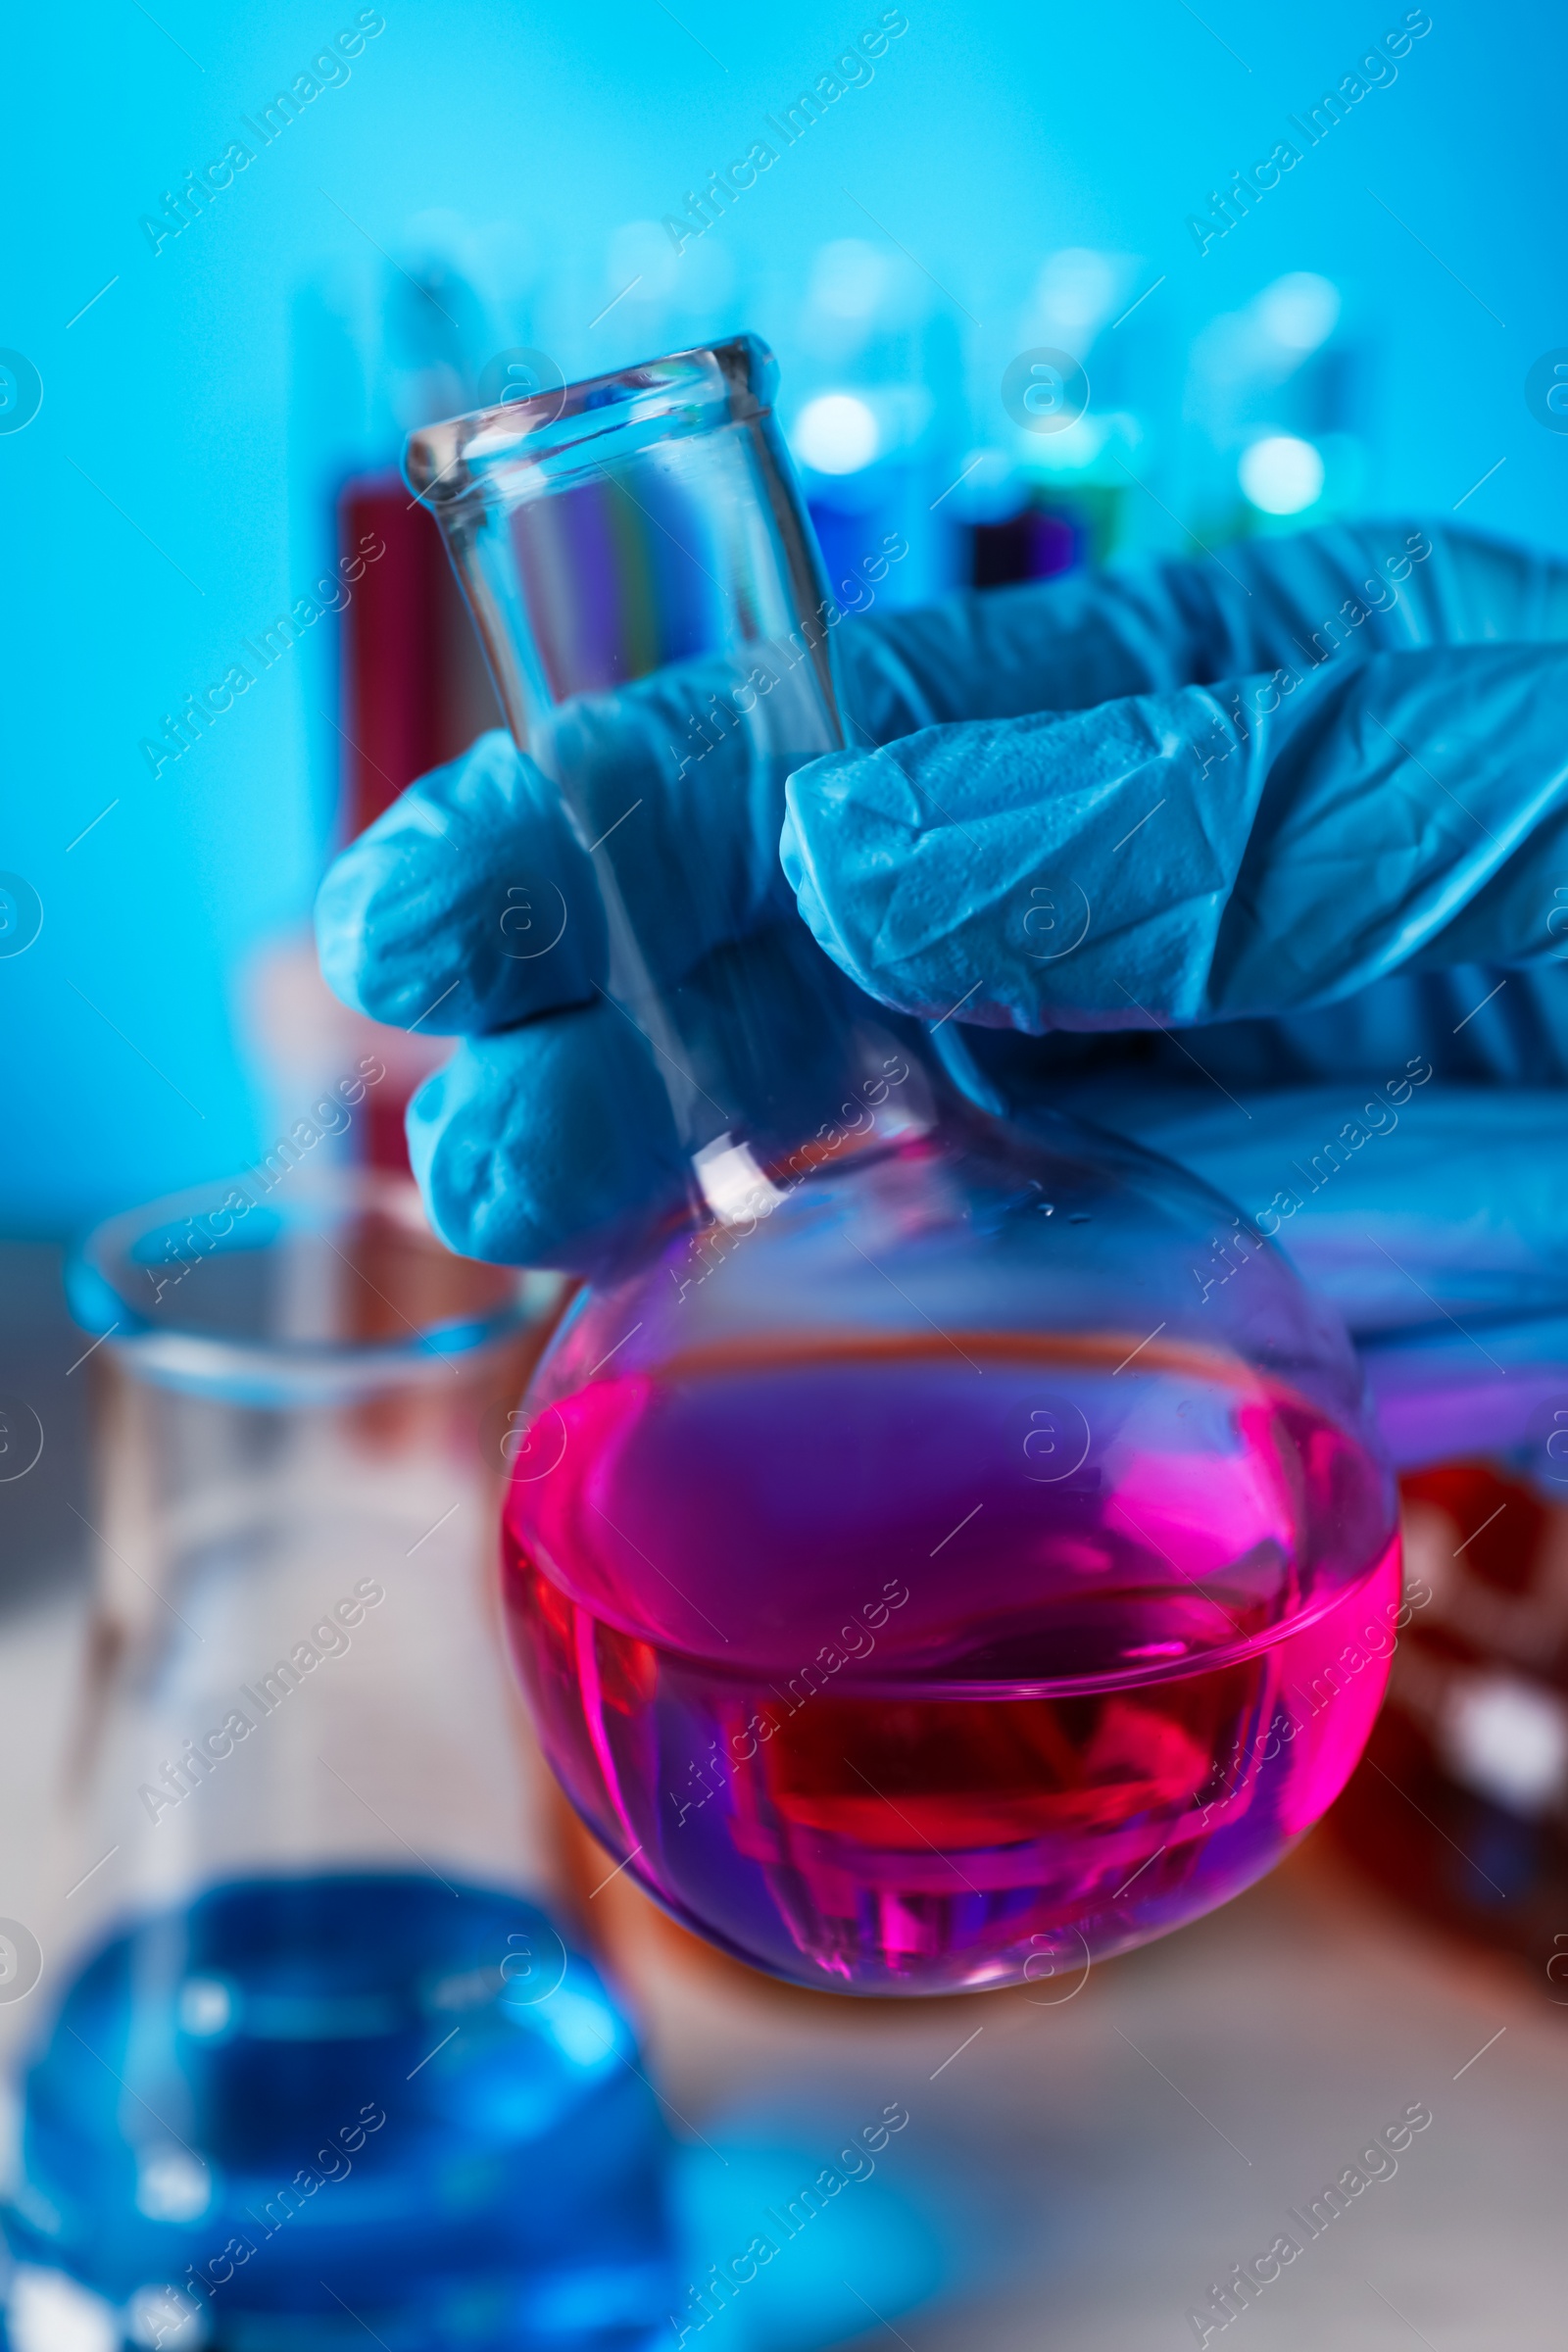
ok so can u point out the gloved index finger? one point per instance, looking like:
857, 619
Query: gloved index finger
468, 906
473, 903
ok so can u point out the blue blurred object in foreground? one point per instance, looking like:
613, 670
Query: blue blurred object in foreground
302, 2110
778, 2263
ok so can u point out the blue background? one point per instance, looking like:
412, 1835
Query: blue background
174, 492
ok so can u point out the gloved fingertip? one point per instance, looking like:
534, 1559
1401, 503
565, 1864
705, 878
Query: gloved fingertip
338, 918
423, 1127
818, 842
789, 846
542, 1145
466, 906
792, 852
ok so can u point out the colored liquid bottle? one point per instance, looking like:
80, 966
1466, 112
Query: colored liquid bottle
909, 1560
297, 2109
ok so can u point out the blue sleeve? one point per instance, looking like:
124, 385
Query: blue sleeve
1347, 592
1216, 852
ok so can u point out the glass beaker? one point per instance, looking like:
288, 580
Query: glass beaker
318, 2060
923, 1518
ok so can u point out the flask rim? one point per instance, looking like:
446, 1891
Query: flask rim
683, 391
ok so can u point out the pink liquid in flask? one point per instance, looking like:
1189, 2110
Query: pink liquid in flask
896, 1668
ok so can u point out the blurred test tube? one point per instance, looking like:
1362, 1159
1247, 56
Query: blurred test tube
1275, 413
871, 403
1057, 403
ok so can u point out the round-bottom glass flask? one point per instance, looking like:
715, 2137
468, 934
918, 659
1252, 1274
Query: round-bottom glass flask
914, 1548
902, 1643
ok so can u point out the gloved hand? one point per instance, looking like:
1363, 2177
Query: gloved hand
1173, 845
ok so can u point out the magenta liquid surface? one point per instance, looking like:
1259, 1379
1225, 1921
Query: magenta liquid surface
904, 1671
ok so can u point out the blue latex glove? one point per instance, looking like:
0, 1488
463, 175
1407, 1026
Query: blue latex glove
1252, 857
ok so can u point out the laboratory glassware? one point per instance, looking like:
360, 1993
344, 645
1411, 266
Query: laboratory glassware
315, 2057
925, 1519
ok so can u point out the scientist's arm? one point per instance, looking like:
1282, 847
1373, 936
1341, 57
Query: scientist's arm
1211, 854
1288, 604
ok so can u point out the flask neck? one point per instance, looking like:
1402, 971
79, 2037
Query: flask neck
770, 1059
642, 570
